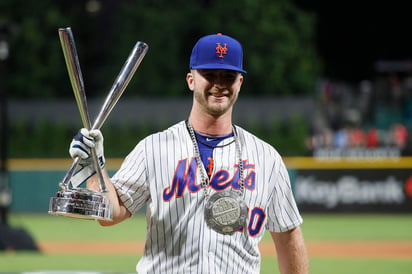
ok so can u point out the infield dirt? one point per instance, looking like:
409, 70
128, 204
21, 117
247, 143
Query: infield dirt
363, 249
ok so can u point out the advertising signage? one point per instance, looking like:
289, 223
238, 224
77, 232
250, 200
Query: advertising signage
353, 186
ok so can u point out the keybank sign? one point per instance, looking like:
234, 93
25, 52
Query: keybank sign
351, 192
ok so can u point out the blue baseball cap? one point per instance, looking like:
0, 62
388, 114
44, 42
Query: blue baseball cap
217, 51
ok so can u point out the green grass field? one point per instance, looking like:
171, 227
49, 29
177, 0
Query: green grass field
43, 227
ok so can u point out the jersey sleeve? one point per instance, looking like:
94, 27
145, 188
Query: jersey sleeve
130, 180
283, 213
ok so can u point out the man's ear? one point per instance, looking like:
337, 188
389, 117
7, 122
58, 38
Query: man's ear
241, 79
190, 81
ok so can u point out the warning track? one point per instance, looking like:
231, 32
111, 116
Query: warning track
359, 249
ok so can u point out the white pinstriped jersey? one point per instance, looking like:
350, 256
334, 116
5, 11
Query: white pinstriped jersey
161, 172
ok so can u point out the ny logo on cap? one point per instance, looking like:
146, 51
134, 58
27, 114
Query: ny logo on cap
221, 50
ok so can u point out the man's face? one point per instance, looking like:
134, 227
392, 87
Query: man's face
215, 91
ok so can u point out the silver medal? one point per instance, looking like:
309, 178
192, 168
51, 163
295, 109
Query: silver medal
225, 212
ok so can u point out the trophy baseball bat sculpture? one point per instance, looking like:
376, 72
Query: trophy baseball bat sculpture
119, 85
76, 79
81, 202
125, 75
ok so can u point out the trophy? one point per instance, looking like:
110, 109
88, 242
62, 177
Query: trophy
84, 203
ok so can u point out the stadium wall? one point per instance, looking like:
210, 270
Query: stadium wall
319, 185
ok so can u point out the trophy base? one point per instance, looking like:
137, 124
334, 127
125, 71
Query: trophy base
81, 203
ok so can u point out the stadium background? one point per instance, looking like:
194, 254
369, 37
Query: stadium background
340, 112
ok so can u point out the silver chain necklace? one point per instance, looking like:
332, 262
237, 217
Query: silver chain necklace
205, 179
225, 211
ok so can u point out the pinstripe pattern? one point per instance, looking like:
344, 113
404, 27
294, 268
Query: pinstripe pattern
161, 172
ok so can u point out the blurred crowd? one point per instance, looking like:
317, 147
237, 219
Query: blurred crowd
374, 115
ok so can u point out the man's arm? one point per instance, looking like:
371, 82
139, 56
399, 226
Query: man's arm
291, 252
120, 212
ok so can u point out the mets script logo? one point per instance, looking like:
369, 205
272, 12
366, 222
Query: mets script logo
221, 50
185, 178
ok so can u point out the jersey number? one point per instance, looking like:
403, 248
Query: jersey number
257, 217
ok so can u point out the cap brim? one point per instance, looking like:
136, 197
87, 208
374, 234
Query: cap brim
219, 66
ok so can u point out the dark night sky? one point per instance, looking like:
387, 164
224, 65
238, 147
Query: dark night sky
353, 35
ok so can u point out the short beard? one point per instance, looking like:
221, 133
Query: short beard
215, 111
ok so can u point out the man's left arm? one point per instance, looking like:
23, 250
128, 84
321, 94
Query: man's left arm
291, 252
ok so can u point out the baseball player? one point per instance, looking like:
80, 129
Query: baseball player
211, 188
